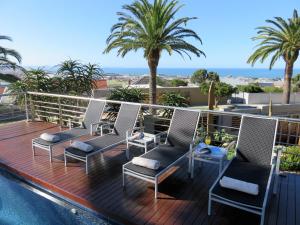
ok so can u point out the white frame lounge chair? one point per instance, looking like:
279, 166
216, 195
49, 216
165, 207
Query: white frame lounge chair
126, 120
254, 163
178, 145
92, 117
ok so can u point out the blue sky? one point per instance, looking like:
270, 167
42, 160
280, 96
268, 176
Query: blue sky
49, 31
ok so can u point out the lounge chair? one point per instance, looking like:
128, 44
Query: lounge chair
178, 145
92, 117
253, 163
126, 120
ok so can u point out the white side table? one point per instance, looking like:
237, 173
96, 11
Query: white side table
145, 142
216, 156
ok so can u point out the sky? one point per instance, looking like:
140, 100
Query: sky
50, 31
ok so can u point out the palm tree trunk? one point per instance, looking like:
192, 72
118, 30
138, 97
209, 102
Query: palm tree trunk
153, 60
287, 82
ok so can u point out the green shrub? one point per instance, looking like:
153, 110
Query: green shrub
172, 99
127, 95
250, 88
272, 89
290, 159
202, 75
178, 83
222, 90
222, 137
163, 82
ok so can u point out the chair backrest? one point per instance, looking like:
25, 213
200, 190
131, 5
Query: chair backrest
183, 128
126, 119
93, 113
256, 140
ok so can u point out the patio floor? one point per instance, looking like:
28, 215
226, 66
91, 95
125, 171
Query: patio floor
181, 200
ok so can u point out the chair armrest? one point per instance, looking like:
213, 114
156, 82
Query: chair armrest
158, 136
108, 125
277, 161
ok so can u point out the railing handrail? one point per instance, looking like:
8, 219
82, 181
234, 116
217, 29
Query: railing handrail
12, 94
286, 119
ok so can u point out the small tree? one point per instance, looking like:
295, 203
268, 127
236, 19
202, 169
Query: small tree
203, 75
221, 90
296, 79
250, 88
296, 83
34, 80
272, 89
178, 83
172, 99
79, 78
127, 95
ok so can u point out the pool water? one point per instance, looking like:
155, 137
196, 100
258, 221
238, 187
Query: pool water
20, 206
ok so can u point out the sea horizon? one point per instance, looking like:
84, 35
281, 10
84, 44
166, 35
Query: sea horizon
277, 73
187, 72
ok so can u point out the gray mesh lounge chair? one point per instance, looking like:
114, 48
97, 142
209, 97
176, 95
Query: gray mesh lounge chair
126, 120
253, 163
92, 117
178, 145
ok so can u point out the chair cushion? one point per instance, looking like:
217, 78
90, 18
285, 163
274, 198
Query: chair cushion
98, 143
247, 172
165, 154
64, 136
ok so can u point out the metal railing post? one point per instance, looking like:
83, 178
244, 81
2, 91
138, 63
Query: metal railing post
32, 108
26, 107
60, 112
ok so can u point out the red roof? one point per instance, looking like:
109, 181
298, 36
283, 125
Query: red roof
2, 90
101, 84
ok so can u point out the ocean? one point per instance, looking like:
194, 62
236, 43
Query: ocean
186, 72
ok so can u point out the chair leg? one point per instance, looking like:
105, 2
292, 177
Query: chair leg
50, 154
86, 166
124, 179
209, 205
155, 188
65, 159
192, 167
33, 149
190, 163
262, 218
127, 151
275, 185
220, 166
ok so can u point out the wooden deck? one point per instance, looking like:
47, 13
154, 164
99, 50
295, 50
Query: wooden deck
181, 200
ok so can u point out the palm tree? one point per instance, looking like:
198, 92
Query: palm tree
6, 54
93, 70
152, 28
281, 40
79, 79
70, 71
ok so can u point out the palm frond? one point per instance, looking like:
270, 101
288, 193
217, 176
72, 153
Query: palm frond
280, 39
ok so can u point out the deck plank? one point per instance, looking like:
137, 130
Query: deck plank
181, 200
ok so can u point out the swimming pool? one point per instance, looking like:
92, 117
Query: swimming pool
21, 206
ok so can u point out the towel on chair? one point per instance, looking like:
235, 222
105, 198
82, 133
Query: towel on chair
239, 185
49, 137
82, 146
148, 163
135, 136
